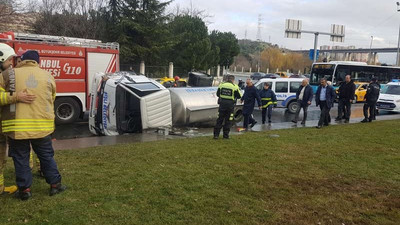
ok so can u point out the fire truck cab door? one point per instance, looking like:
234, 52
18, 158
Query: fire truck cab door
156, 110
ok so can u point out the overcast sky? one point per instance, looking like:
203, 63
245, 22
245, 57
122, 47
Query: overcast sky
362, 19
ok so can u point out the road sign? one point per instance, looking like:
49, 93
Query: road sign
311, 54
337, 33
293, 28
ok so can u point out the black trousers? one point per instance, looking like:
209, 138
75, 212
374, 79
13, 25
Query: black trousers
248, 119
324, 118
225, 118
344, 107
305, 109
371, 106
264, 113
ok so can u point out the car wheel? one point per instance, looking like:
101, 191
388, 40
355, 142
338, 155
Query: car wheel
292, 107
355, 99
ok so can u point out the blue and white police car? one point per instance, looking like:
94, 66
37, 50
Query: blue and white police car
285, 90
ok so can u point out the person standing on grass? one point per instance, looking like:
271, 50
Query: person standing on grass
304, 96
268, 99
346, 96
6, 60
227, 93
371, 97
32, 124
249, 99
324, 98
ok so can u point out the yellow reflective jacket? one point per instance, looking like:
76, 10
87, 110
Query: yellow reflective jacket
29, 121
6, 97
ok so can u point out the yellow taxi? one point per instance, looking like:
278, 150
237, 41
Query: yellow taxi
172, 82
361, 90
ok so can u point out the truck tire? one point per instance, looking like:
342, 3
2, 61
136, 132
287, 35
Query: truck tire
237, 115
67, 110
292, 107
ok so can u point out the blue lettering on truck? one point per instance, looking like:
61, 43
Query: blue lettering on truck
104, 111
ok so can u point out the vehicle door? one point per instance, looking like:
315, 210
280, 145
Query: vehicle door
282, 92
156, 110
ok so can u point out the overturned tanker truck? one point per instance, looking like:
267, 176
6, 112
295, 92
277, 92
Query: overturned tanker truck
124, 102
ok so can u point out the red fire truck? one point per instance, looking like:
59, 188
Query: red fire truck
73, 62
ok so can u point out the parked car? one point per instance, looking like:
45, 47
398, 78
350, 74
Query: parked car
257, 76
284, 74
389, 98
271, 75
297, 76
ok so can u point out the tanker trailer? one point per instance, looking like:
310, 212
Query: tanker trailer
197, 106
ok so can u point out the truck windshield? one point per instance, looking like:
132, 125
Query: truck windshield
144, 86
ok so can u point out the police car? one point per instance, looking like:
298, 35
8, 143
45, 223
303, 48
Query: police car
389, 99
285, 90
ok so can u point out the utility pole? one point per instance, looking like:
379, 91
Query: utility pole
398, 41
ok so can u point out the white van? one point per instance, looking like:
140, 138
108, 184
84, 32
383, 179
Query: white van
389, 98
285, 90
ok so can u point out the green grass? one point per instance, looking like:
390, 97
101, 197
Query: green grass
346, 174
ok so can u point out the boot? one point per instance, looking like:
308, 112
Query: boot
23, 194
57, 188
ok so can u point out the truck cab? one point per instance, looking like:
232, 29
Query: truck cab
124, 102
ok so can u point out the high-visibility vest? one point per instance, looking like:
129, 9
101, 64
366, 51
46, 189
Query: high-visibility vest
5, 97
227, 90
29, 121
269, 102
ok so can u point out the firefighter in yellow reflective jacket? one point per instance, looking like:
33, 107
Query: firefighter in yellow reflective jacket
31, 124
227, 93
6, 59
268, 99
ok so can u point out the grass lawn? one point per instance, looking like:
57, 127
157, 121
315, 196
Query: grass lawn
347, 174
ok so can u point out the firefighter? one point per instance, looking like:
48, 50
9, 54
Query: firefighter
227, 93
268, 99
371, 97
31, 125
6, 57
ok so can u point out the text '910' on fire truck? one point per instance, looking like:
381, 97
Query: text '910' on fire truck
73, 62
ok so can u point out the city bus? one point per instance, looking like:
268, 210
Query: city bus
336, 72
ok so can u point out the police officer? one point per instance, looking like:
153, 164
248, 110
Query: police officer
227, 93
6, 59
371, 97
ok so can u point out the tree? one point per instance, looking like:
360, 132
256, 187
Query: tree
228, 46
142, 31
192, 44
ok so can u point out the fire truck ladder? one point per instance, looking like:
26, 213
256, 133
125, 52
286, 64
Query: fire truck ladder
70, 41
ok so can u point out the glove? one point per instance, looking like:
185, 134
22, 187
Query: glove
11, 189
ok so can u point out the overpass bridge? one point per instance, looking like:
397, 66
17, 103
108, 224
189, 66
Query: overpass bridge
348, 54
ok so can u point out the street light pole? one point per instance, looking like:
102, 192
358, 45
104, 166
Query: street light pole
398, 41
370, 50
315, 46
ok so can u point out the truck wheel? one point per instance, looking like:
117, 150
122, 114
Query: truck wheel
238, 116
292, 107
67, 110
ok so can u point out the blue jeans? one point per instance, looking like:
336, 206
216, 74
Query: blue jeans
20, 150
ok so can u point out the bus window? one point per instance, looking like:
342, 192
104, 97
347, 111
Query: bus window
320, 71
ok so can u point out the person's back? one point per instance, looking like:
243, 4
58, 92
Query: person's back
38, 117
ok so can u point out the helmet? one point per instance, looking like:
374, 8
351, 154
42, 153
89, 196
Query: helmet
6, 52
177, 78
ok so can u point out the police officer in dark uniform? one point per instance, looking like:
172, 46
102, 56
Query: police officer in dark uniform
371, 97
227, 93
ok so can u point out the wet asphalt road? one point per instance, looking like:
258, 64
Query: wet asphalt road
77, 135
